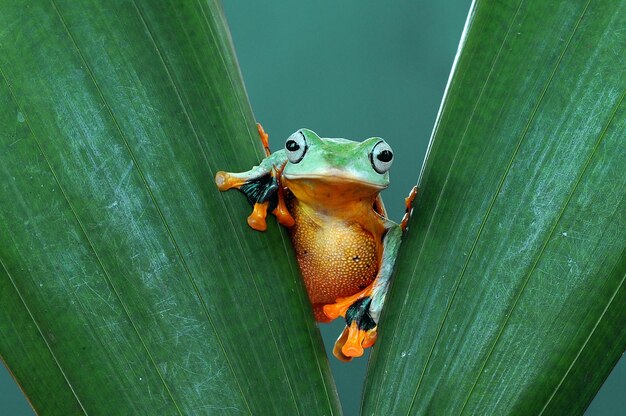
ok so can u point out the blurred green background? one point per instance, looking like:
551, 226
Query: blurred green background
352, 69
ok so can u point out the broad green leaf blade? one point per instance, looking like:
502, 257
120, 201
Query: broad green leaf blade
509, 293
129, 284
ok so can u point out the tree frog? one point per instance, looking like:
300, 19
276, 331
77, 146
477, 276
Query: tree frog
327, 192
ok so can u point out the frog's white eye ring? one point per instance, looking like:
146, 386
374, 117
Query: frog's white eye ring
381, 157
295, 147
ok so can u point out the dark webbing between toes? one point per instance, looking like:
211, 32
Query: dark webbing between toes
360, 311
261, 190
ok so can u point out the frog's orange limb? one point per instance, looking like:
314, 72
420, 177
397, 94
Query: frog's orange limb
226, 181
408, 202
256, 220
354, 339
264, 139
353, 346
341, 341
370, 338
262, 187
281, 212
341, 305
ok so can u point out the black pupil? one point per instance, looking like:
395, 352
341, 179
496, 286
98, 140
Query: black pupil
292, 146
385, 156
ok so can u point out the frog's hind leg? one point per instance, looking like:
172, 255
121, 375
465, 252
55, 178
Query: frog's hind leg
362, 310
390, 246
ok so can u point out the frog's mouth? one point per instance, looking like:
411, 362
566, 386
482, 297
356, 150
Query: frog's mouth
331, 192
329, 180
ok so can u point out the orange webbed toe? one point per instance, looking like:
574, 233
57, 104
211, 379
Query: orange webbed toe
339, 345
226, 181
353, 341
353, 346
370, 338
256, 220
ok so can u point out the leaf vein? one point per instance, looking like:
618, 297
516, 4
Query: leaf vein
238, 237
32, 317
556, 389
495, 196
543, 247
84, 231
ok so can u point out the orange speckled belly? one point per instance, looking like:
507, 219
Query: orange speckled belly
336, 259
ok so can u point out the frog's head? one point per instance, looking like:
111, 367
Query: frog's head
336, 168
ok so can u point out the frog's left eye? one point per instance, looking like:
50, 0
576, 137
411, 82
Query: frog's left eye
295, 147
381, 157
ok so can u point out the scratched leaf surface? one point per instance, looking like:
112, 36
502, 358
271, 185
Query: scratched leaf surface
128, 283
509, 295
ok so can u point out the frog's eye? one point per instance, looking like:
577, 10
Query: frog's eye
381, 157
295, 147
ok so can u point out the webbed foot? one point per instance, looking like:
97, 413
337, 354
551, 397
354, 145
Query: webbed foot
260, 191
261, 186
360, 331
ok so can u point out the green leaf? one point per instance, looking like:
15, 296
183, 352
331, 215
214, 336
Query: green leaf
509, 295
128, 283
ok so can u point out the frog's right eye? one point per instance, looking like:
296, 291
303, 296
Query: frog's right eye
295, 147
381, 157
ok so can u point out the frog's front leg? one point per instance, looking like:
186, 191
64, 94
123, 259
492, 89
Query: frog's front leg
261, 186
362, 310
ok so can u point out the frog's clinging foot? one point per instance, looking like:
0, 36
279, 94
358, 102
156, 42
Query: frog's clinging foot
408, 202
353, 346
360, 331
261, 186
352, 342
264, 139
260, 192
256, 220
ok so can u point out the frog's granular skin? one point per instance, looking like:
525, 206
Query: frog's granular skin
335, 260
